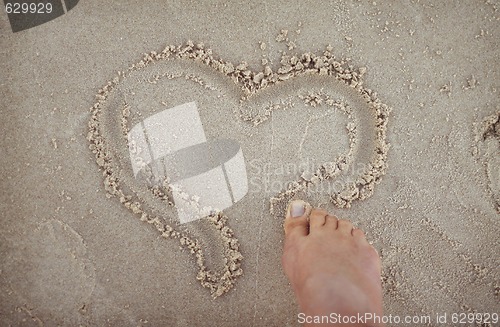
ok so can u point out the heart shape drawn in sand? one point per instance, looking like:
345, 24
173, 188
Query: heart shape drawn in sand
171, 96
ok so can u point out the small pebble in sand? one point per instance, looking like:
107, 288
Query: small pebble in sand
446, 89
471, 83
282, 36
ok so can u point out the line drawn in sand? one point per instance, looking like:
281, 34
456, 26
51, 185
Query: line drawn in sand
487, 153
319, 81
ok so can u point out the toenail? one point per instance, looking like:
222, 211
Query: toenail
297, 208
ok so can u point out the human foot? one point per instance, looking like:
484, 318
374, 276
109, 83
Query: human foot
332, 268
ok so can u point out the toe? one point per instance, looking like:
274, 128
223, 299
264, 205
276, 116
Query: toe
358, 234
344, 226
296, 221
331, 222
360, 237
317, 218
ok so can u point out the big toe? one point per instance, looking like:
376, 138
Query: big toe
296, 221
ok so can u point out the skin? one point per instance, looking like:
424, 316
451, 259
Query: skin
330, 265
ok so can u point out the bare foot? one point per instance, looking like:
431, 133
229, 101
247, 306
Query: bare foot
332, 268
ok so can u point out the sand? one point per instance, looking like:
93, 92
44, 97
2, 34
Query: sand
379, 113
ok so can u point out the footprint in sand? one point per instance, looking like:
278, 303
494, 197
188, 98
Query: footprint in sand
182, 107
59, 277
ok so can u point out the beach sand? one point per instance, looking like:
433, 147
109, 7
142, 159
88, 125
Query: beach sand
385, 114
